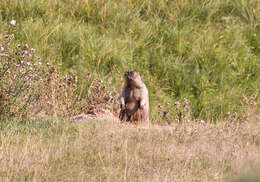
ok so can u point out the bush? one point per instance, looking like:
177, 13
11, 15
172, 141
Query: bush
21, 74
29, 86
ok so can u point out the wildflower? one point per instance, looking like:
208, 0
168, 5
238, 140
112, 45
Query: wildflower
33, 50
48, 74
6, 53
6, 36
8, 42
177, 104
35, 105
12, 22
23, 62
1, 48
26, 52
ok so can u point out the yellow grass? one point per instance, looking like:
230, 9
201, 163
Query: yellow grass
64, 150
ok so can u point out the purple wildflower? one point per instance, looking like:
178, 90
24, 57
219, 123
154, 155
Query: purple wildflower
23, 62
6, 53
48, 74
8, 42
26, 52
35, 105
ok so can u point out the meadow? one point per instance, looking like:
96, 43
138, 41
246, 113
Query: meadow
204, 51
199, 59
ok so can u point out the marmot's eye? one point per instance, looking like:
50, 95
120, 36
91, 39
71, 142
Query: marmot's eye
131, 73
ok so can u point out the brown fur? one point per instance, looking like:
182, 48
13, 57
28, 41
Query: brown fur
134, 99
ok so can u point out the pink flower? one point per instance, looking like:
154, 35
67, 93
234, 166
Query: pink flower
6, 53
48, 74
26, 52
23, 62
35, 105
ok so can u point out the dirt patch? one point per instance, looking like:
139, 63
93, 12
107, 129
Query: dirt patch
97, 114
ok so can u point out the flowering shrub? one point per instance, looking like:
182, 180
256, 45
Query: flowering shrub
179, 112
30, 86
19, 76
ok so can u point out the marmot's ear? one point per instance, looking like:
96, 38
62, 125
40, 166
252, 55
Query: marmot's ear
136, 74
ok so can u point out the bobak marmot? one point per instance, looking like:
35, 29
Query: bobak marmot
134, 99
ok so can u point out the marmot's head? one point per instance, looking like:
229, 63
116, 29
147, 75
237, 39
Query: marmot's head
131, 75
133, 78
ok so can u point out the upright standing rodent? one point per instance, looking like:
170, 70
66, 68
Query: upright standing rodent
134, 99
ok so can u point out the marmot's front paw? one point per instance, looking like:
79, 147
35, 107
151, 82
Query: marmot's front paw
122, 106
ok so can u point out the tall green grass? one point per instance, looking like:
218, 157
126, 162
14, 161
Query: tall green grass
206, 51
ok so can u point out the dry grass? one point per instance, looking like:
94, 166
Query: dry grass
62, 150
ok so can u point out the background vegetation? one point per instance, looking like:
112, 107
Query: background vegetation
205, 51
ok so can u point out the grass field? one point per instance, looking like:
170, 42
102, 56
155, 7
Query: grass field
199, 59
65, 150
205, 51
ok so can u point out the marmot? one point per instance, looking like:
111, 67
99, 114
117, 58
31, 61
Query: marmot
134, 99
